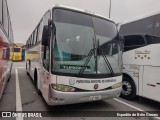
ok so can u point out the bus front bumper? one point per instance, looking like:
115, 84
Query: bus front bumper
62, 98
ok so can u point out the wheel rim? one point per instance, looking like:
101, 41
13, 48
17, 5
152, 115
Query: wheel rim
126, 88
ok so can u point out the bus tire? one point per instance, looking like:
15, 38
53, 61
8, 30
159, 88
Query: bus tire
36, 82
128, 88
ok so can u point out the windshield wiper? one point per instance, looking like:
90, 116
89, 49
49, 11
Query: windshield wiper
91, 52
108, 64
89, 56
105, 59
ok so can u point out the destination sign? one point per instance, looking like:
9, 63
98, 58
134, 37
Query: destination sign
73, 67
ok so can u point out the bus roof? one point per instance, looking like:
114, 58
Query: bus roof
140, 17
80, 10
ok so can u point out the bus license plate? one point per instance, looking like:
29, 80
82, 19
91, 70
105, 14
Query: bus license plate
98, 97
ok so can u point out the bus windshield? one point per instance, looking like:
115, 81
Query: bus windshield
16, 49
77, 38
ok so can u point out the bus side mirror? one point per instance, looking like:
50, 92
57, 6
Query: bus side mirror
45, 36
47, 30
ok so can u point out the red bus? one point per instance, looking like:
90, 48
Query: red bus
6, 42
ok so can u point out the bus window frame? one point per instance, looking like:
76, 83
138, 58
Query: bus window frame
37, 33
40, 30
1, 10
35, 36
6, 15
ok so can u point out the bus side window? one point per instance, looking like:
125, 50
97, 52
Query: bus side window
5, 17
1, 11
40, 31
152, 39
133, 41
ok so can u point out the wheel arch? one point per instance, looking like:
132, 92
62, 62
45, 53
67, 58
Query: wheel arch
129, 76
37, 77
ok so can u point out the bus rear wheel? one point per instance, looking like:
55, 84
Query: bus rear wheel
128, 88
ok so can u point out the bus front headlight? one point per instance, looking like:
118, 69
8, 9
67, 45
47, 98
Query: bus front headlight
63, 88
117, 85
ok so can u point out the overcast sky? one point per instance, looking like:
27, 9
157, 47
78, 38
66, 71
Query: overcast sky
25, 14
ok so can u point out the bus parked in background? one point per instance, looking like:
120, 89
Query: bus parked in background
141, 58
6, 42
77, 57
17, 53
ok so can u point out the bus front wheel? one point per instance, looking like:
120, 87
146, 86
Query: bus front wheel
36, 82
128, 88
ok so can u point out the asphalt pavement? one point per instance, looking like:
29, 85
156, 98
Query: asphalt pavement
29, 100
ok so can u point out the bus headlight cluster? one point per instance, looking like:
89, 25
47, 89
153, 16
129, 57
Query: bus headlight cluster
63, 88
117, 85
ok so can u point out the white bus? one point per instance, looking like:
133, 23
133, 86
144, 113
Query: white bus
74, 56
141, 58
6, 43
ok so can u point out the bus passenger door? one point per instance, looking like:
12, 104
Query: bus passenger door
151, 82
